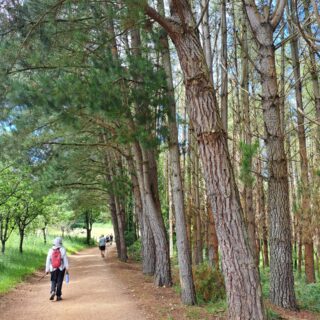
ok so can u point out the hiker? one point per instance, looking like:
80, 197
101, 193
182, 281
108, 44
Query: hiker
102, 245
111, 239
57, 264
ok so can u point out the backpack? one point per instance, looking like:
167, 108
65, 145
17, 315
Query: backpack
56, 258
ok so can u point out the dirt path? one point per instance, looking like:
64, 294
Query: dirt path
107, 289
94, 292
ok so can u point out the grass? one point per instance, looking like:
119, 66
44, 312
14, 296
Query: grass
219, 306
14, 267
272, 315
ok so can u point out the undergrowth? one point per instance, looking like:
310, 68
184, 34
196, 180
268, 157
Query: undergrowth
134, 251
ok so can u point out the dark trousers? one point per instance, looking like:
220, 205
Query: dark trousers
57, 280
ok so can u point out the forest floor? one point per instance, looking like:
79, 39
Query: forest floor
105, 288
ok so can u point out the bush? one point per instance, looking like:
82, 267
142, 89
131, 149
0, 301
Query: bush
209, 283
134, 251
130, 237
308, 296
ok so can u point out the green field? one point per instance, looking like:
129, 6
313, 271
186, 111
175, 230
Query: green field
14, 267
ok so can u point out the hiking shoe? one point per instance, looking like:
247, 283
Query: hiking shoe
59, 298
52, 294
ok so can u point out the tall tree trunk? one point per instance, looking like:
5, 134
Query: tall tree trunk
121, 227
314, 71
44, 233
236, 110
281, 271
262, 211
224, 67
3, 246
206, 36
197, 227
213, 246
300, 255
188, 295
304, 166
147, 241
112, 201
113, 212
88, 225
21, 234
171, 213
241, 276
247, 135
162, 275
195, 201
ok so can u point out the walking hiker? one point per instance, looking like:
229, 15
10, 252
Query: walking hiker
57, 264
102, 245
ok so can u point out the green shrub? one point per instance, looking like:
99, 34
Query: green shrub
130, 237
209, 283
134, 251
308, 296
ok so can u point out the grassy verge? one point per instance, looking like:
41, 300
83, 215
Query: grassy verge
14, 267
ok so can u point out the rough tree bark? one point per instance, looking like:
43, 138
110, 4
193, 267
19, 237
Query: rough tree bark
121, 227
247, 137
162, 275
188, 294
195, 205
281, 271
304, 165
224, 67
241, 275
213, 244
147, 241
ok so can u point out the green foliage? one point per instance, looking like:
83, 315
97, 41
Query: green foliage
209, 283
272, 315
248, 151
130, 237
134, 251
264, 276
219, 306
308, 295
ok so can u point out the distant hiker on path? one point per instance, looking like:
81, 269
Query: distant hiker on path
57, 264
102, 245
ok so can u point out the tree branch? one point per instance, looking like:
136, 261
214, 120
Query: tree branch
164, 22
278, 13
205, 8
252, 14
